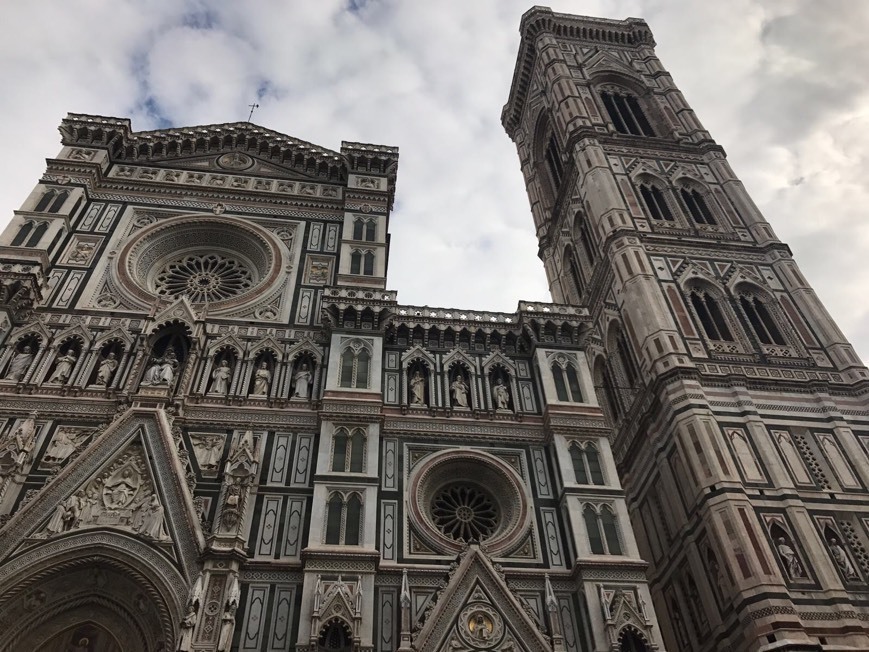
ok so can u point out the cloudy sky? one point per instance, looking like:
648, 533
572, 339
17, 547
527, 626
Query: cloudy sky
780, 84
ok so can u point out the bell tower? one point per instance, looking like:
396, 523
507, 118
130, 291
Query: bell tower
739, 411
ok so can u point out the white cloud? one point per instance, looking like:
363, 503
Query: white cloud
781, 85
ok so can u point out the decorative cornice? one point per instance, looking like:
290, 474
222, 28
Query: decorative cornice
628, 33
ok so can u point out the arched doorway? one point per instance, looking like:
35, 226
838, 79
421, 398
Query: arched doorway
95, 591
88, 637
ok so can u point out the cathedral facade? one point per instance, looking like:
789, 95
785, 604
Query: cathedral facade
220, 429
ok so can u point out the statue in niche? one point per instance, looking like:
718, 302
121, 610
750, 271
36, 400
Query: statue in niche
261, 380
150, 519
789, 558
302, 382
501, 395
837, 552
106, 370
162, 370
208, 451
64, 444
20, 363
460, 391
220, 378
227, 619
15, 450
65, 516
63, 368
417, 388
187, 625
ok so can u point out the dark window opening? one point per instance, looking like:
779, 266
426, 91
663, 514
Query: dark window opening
710, 316
761, 321
655, 203
626, 114
697, 207
553, 162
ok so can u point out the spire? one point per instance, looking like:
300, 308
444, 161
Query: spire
554, 617
404, 644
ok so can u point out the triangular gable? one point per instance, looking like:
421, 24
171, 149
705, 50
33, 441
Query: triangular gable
76, 330
603, 62
477, 609
180, 310
417, 353
134, 453
744, 274
229, 340
32, 328
115, 334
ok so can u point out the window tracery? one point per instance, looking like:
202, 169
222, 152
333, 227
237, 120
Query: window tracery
343, 519
759, 317
355, 365
203, 277
586, 463
655, 199
709, 314
362, 262
348, 451
602, 528
697, 206
626, 113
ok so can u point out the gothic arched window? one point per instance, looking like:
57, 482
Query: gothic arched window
37, 234
586, 464
348, 451
58, 202
696, 205
358, 227
626, 114
566, 382
710, 316
356, 262
762, 322
344, 519
656, 202
45, 200
368, 264
355, 367
370, 231
23, 231
553, 162
603, 530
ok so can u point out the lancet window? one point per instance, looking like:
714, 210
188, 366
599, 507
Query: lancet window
626, 114
586, 463
696, 205
761, 320
710, 315
362, 262
603, 531
348, 451
355, 366
566, 381
52, 201
343, 519
656, 202
364, 229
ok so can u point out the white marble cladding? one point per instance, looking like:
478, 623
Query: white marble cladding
227, 181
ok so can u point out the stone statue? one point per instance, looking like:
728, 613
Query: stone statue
208, 449
261, 380
187, 625
837, 552
20, 363
302, 382
227, 619
791, 561
220, 378
65, 516
460, 390
417, 389
162, 370
62, 446
106, 370
63, 368
501, 395
151, 519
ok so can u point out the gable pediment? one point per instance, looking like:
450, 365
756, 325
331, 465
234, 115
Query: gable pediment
476, 610
125, 481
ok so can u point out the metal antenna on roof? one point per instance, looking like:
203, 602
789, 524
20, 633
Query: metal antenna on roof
253, 107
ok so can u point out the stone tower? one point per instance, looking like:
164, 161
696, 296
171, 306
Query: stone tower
738, 407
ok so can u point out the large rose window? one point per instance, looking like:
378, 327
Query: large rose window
464, 512
461, 495
203, 277
225, 262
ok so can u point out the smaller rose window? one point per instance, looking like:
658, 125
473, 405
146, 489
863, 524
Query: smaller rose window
203, 277
464, 512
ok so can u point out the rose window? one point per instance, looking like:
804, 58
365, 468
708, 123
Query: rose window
464, 512
203, 277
